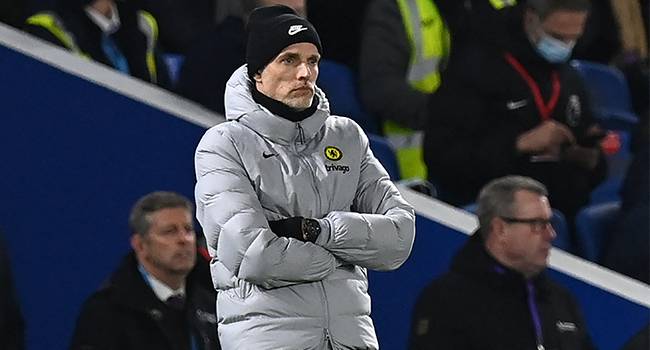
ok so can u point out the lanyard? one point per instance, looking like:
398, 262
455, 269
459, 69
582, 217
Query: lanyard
535, 314
544, 109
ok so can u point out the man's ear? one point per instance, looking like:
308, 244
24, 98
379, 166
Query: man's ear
529, 15
498, 227
258, 77
137, 243
529, 20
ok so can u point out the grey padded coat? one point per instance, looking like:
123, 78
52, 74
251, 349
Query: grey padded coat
282, 293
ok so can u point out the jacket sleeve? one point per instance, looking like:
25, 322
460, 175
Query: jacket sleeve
236, 228
384, 58
598, 174
379, 233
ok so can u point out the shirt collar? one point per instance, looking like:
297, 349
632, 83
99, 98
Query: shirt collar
162, 291
108, 25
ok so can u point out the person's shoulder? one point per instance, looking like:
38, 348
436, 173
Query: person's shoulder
343, 121
477, 65
345, 125
224, 136
570, 75
223, 129
200, 274
443, 286
101, 302
476, 56
556, 290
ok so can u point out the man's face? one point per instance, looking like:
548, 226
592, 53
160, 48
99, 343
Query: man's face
565, 26
170, 247
291, 76
528, 235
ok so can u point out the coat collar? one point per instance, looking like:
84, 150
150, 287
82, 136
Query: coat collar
241, 107
473, 260
129, 288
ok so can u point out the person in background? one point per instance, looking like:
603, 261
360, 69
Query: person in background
160, 297
405, 46
118, 34
518, 108
497, 294
400, 60
219, 51
12, 322
294, 205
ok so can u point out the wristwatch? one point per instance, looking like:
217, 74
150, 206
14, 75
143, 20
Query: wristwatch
310, 230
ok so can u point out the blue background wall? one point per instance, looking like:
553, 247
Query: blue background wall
75, 156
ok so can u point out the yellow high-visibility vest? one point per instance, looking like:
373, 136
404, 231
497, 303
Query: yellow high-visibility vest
430, 42
146, 23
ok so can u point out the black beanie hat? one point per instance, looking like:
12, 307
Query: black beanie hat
270, 30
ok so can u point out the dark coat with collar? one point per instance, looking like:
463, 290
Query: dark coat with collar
484, 104
473, 306
126, 314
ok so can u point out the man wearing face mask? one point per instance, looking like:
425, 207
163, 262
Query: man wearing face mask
516, 106
116, 33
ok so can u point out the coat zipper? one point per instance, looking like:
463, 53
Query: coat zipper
328, 337
301, 134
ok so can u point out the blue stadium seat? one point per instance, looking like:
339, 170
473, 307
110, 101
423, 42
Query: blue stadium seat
612, 103
610, 95
385, 152
339, 83
173, 63
593, 223
560, 226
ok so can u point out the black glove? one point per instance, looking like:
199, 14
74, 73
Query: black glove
290, 228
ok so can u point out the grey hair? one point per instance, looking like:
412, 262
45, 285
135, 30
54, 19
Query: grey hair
497, 198
544, 8
140, 221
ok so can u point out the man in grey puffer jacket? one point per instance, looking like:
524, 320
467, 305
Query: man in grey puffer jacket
294, 206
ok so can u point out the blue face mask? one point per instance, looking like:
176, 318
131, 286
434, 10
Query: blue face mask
554, 50
550, 48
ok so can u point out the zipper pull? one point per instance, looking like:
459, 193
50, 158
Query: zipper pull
328, 337
301, 133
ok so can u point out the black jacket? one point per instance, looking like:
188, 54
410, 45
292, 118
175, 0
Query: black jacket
484, 104
125, 313
475, 307
88, 36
